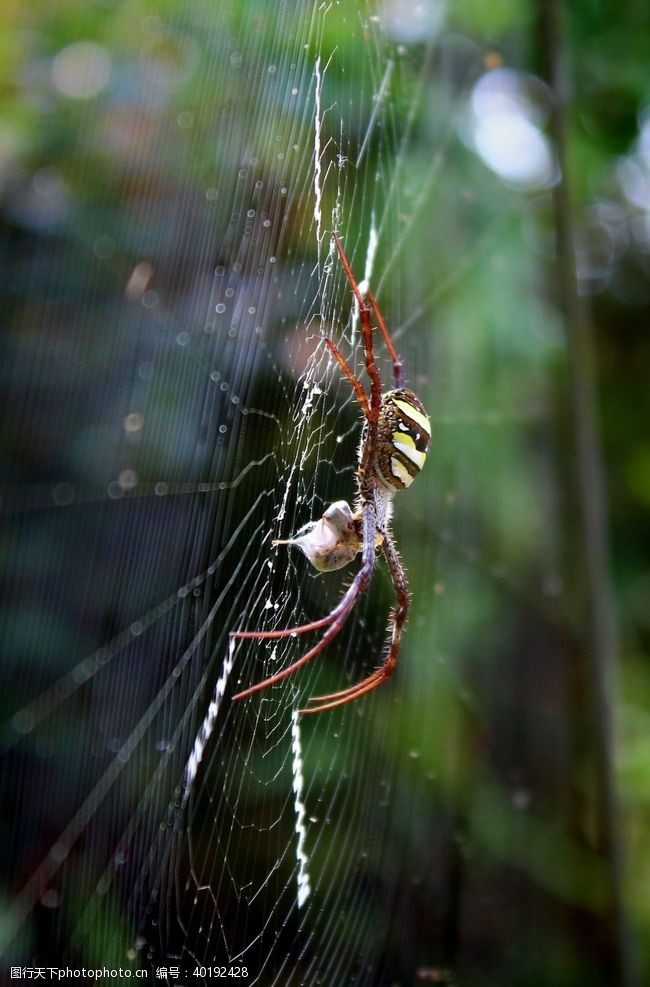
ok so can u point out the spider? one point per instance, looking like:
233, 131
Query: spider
394, 445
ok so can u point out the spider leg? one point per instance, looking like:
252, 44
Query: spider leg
335, 625
352, 690
398, 618
315, 625
398, 366
354, 380
366, 325
335, 620
364, 687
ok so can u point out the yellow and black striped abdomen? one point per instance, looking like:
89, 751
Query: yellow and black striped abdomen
403, 438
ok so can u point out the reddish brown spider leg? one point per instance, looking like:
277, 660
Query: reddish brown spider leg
376, 676
356, 383
315, 625
335, 619
366, 325
335, 626
398, 618
398, 366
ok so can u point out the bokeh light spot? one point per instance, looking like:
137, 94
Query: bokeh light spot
81, 70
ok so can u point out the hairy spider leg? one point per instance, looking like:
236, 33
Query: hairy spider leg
398, 619
335, 619
366, 325
356, 383
398, 366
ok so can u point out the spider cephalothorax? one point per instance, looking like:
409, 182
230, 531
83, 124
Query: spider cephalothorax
394, 446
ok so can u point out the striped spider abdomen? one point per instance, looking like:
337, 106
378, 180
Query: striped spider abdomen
403, 439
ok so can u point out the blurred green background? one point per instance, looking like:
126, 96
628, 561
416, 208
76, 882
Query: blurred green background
166, 276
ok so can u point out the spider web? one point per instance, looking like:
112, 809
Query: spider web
193, 416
